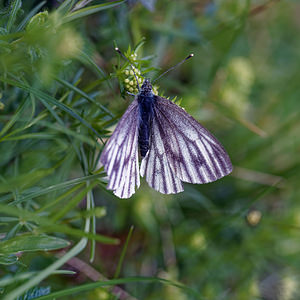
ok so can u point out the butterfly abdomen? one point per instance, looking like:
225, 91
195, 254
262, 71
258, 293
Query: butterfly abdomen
145, 121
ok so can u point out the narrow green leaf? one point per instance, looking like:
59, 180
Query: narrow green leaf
8, 219
8, 259
92, 286
30, 15
60, 127
80, 137
29, 242
34, 135
93, 212
47, 226
89, 10
79, 233
54, 266
52, 112
14, 118
24, 180
7, 280
86, 59
119, 266
51, 100
97, 212
60, 198
61, 186
71, 204
83, 94
16, 5
12, 232
66, 6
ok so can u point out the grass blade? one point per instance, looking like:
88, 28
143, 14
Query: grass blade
119, 266
12, 16
83, 94
89, 10
51, 100
91, 286
46, 225
30, 15
56, 265
60, 186
14, 118
32, 242
66, 6
72, 203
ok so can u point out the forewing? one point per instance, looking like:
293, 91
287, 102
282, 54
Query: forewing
120, 155
155, 166
193, 153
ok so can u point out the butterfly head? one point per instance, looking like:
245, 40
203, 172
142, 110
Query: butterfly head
146, 87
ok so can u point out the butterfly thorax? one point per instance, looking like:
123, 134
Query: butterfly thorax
145, 100
146, 88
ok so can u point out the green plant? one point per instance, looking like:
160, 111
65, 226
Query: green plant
61, 82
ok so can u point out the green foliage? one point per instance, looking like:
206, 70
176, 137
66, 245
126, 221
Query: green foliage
61, 83
32, 243
132, 70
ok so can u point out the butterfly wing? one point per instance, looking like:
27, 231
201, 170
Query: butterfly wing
120, 155
155, 166
192, 153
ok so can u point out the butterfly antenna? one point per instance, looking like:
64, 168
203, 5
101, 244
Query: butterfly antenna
132, 68
180, 63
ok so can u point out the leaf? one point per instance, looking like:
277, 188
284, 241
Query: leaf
9, 279
94, 285
16, 117
87, 60
72, 203
8, 259
13, 13
65, 6
89, 10
60, 186
123, 253
41, 95
49, 205
83, 94
30, 15
32, 243
34, 135
24, 180
46, 225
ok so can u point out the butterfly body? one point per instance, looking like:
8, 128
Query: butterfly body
145, 100
174, 148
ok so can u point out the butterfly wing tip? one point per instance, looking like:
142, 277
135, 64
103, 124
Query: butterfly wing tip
122, 196
230, 169
170, 192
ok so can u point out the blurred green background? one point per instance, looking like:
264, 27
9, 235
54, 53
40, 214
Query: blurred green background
60, 79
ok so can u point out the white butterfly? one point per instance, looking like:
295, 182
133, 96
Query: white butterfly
173, 146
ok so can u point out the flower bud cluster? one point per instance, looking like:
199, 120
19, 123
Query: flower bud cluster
130, 82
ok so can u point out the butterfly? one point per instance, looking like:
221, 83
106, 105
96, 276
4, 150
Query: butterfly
174, 148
